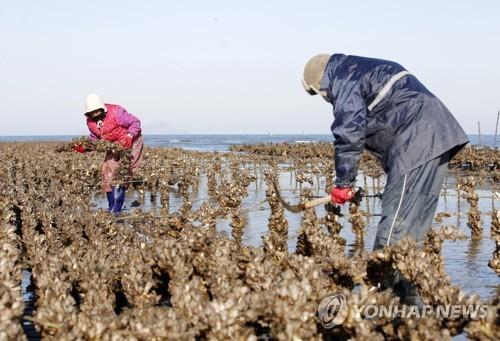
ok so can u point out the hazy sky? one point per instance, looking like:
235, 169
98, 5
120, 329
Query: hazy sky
232, 66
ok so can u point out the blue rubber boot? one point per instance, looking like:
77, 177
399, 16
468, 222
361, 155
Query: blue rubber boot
119, 194
111, 198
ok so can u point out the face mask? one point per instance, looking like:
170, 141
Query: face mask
325, 96
99, 117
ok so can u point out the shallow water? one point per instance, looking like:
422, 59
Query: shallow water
466, 261
222, 142
29, 299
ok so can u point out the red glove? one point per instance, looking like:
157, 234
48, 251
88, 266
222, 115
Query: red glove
79, 148
342, 194
127, 141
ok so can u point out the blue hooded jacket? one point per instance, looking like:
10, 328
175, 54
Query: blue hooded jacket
407, 128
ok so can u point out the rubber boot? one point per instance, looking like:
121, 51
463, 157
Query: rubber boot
411, 297
406, 291
119, 194
111, 198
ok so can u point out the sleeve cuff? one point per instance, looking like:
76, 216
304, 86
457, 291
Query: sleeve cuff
345, 184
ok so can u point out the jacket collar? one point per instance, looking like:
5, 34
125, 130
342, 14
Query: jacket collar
329, 74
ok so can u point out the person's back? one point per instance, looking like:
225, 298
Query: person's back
409, 125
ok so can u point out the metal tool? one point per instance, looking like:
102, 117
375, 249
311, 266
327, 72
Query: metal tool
300, 207
326, 200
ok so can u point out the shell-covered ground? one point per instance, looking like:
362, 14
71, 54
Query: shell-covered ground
168, 274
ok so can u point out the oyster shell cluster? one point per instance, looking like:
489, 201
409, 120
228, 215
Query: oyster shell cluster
171, 275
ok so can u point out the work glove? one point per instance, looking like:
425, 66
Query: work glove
79, 148
340, 195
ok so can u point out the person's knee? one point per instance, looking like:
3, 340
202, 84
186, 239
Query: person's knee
380, 243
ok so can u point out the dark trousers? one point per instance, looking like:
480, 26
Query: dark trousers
408, 206
409, 203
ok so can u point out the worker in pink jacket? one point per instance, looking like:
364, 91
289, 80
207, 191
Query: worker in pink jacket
113, 123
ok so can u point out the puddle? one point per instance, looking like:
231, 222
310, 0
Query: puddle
29, 299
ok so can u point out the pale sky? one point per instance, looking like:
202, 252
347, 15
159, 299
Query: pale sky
232, 66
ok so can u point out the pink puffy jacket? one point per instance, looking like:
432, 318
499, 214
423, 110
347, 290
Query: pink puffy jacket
116, 125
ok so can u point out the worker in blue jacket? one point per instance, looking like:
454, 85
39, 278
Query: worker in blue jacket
379, 106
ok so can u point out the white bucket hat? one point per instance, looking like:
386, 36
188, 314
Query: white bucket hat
94, 102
